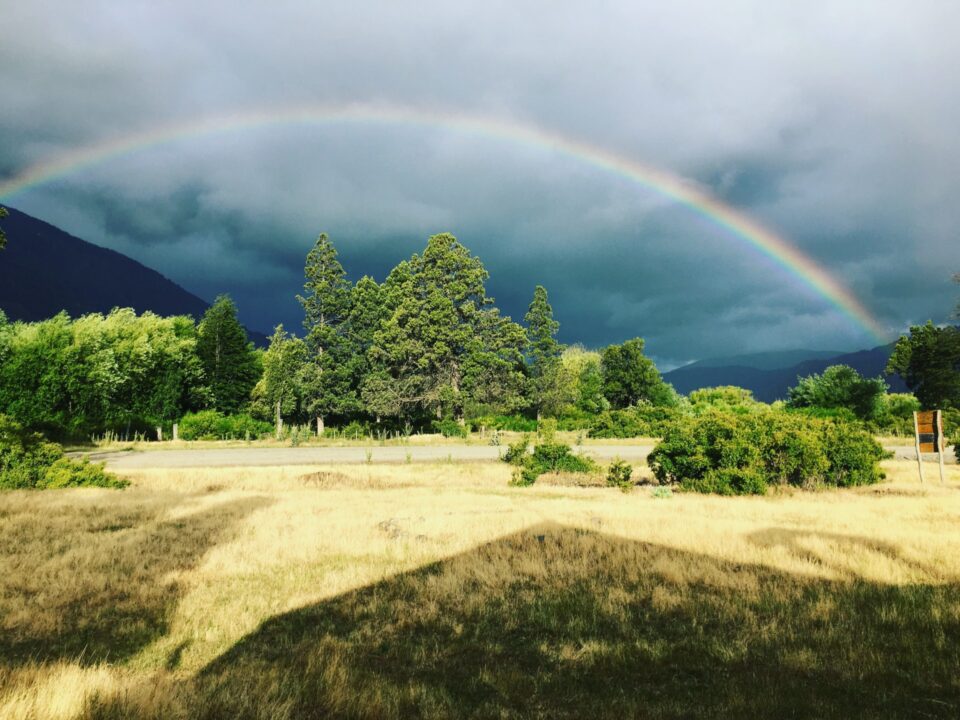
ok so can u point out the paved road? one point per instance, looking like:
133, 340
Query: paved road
233, 457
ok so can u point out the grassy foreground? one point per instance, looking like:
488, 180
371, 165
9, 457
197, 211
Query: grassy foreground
439, 591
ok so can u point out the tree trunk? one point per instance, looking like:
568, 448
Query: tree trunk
319, 426
279, 422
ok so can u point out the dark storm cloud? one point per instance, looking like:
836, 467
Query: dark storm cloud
833, 124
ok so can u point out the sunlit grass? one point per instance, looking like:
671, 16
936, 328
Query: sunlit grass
439, 591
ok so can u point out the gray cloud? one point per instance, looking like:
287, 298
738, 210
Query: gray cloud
833, 124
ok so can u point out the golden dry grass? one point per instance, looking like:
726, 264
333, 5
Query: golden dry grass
439, 591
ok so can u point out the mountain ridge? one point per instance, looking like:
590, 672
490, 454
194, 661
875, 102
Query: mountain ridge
45, 270
770, 384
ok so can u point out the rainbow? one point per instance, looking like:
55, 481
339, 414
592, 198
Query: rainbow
677, 189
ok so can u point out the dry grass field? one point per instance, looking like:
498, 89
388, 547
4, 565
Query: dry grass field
438, 591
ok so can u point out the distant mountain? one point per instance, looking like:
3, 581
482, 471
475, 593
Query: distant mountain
44, 270
772, 360
755, 373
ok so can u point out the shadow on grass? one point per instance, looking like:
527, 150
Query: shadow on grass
93, 601
560, 622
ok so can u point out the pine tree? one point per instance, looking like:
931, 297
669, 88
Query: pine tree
3, 238
326, 305
230, 363
544, 352
444, 345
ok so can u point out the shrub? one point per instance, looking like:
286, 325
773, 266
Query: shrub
212, 425
547, 430
735, 454
354, 430
852, 456
510, 423
620, 474
517, 452
556, 457
451, 428
617, 424
546, 457
27, 461
641, 420
896, 413
723, 397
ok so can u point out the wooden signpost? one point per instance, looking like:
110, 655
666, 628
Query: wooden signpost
928, 437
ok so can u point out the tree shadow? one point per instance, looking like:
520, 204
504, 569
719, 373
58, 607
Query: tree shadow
105, 601
563, 622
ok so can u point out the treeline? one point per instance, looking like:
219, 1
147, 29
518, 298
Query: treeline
426, 349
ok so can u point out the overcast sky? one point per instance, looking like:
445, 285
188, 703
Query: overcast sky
833, 124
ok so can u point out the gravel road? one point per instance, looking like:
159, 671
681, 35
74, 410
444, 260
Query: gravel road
237, 457
234, 457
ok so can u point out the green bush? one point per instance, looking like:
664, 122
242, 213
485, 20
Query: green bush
724, 397
354, 430
732, 453
451, 428
547, 430
517, 452
546, 457
620, 474
212, 425
510, 423
27, 461
641, 420
896, 414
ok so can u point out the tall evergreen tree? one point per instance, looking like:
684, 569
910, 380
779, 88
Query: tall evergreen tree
3, 238
230, 363
444, 345
543, 352
326, 305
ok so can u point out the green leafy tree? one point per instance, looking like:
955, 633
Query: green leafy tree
582, 380
279, 391
928, 360
3, 238
230, 363
629, 376
724, 397
325, 380
120, 372
840, 386
544, 352
443, 345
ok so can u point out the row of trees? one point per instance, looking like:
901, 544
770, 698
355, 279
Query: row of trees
122, 372
429, 343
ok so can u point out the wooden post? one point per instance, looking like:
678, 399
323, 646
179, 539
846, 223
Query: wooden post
940, 442
319, 426
176, 432
916, 439
159, 434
